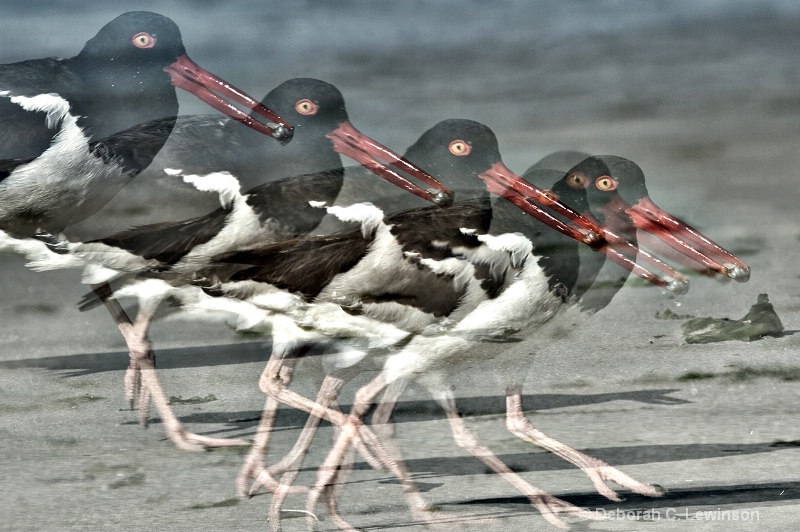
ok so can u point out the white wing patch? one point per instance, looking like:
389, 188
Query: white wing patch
461, 270
514, 243
223, 183
367, 214
54, 105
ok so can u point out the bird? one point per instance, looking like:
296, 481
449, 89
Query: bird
290, 178
617, 195
202, 144
280, 207
75, 131
633, 180
607, 179
610, 183
409, 271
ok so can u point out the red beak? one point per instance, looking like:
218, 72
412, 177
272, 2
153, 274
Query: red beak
189, 76
588, 230
349, 141
691, 243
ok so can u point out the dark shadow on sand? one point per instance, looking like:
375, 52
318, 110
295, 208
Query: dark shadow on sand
537, 460
683, 502
425, 410
181, 357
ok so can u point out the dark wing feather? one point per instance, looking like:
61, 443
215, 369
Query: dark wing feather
433, 232
134, 149
168, 242
287, 200
307, 266
303, 266
199, 144
24, 134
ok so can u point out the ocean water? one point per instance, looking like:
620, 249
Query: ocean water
516, 66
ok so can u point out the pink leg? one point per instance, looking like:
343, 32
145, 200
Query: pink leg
254, 464
272, 385
289, 466
135, 334
547, 505
145, 357
383, 429
129, 333
351, 429
253, 467
333, 491
599, 472
383, 412
141, 351
291, 463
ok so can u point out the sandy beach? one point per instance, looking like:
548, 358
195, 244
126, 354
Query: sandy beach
704, 98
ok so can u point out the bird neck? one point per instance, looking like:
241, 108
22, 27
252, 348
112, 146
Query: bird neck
114, 96
260, 159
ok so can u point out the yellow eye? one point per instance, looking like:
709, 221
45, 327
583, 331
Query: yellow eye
306, 107
606, 183
460, 148
576, 181
144, 40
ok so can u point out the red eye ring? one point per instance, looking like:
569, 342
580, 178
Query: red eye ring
144, 40
306, 107
460, 148
606, 183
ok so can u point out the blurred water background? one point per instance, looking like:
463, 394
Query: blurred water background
703, 95
521, 67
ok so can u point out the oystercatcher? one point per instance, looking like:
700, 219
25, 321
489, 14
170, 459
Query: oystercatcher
292, 180
201, 144
409, 271
433, 360
608, 179
75, 131
559, 280
275, 210
617, 195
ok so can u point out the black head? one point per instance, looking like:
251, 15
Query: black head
314, 108
138, 39
126, 75
604, 177
593, 184
456, 152
560, 256
122, 78
602, 181
616, 190
551, 172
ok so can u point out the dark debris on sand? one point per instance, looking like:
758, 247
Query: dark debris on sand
760, 321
